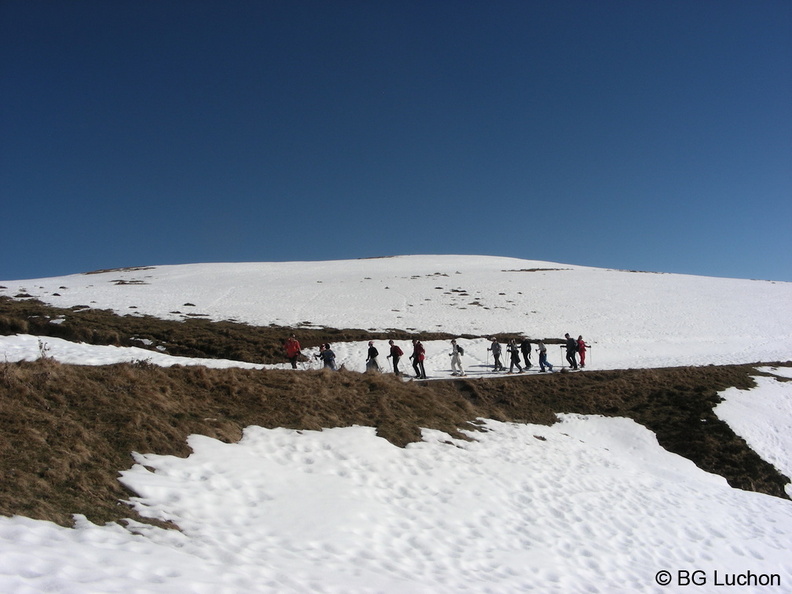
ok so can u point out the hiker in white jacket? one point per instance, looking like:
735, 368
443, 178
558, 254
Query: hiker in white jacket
456, 359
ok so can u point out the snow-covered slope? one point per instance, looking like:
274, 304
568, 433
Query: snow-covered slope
632, 319
591, 504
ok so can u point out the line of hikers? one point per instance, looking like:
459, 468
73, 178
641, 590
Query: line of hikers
573, 348
293, 351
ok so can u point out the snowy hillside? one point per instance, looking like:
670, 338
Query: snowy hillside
632, 319
591, 504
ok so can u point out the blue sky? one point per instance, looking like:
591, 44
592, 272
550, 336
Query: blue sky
644, 135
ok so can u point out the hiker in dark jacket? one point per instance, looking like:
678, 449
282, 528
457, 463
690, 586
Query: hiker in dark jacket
514, 351
525, 348
418, 356
371, 360
327, 356
496, 353
571, 349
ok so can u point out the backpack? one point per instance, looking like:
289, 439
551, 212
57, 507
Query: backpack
460, 350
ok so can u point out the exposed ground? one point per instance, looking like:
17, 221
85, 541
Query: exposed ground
194, 337
66, 431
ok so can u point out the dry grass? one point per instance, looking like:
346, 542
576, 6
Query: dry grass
192, 337
66, 431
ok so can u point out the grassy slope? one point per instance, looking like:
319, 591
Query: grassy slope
66, 431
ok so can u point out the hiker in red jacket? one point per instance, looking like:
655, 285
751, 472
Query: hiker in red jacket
418, 356
581, 348
293, 350
396, 354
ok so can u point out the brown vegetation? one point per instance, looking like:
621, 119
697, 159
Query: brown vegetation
192, 337
66, 431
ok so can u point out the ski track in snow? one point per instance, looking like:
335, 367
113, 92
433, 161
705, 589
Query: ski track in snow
591, 504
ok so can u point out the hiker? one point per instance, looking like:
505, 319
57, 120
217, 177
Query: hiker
456, 358
514, 351
327, 356
496, 353
293, 350
418, 356
543, 357
371, 359
581, 349
321, 350
571, 349
396, 354
525, 348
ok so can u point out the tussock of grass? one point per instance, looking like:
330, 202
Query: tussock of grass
66, 431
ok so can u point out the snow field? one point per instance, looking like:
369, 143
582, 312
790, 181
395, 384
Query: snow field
648, 319
591, 504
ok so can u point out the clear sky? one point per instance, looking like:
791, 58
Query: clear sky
644, 135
